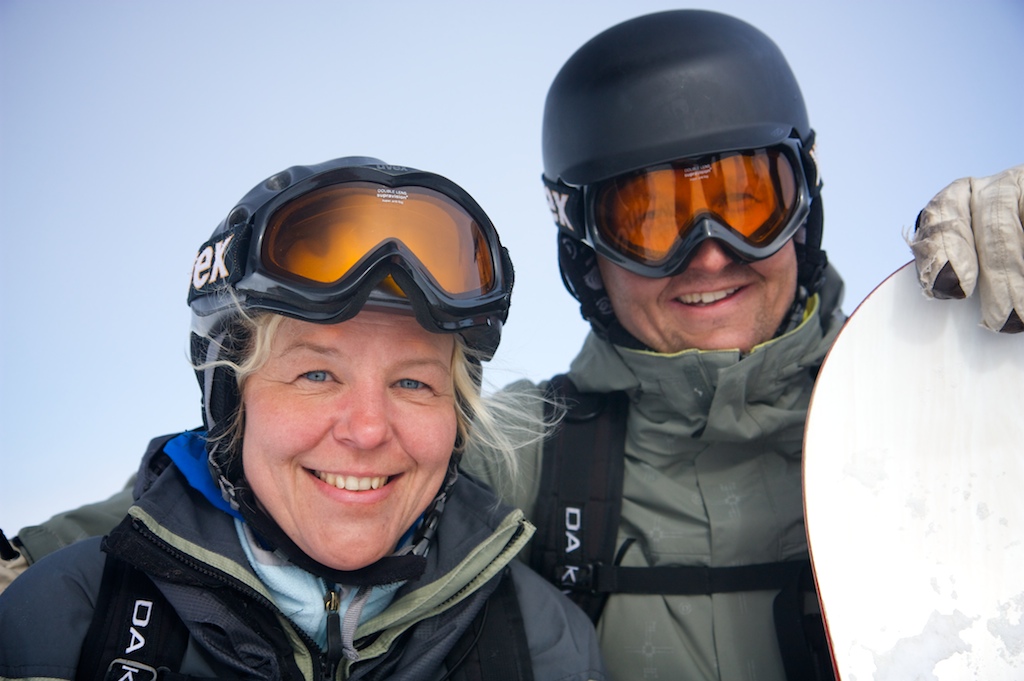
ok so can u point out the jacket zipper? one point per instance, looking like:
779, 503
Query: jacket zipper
335, 645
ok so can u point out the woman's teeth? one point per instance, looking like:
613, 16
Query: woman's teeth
352, 483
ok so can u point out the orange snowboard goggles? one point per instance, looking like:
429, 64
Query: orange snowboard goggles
322, 237
330, 243
653, 220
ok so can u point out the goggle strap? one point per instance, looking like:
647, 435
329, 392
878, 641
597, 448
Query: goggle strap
566, 205
220, 262
812, 258
810, 163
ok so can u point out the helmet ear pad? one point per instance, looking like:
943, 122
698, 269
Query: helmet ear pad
222, 400
582, 278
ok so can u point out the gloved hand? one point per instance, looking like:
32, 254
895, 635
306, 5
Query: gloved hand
971, 233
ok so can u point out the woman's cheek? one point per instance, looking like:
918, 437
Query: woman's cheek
435, 436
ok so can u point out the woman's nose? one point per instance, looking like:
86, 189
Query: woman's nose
362, 419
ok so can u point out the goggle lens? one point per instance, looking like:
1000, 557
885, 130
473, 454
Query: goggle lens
644, 215
324, 235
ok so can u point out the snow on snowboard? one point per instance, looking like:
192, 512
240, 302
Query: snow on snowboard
914, 491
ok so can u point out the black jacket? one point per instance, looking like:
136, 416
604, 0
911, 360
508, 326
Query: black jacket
192, 552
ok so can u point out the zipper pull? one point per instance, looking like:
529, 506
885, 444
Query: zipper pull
335, 647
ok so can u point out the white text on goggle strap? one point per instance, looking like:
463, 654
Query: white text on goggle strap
210, 265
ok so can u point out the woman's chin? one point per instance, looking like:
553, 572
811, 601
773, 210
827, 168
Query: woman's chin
348, 561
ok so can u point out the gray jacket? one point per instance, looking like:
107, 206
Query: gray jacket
712, 478
192, 551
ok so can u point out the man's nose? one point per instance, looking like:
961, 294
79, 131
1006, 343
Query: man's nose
710, 256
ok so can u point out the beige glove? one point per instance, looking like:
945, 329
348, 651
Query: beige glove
9, 569
971, 233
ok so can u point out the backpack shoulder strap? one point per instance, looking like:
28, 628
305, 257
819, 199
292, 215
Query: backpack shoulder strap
577, 514
134, 630
580, 497
494, 647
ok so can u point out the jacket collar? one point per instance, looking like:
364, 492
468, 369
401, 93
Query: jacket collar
714, 395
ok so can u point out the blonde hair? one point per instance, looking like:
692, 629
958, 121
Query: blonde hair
496, 424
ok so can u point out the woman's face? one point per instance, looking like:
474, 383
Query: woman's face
348, 431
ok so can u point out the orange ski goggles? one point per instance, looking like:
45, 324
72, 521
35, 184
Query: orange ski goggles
326, 235
652, 221
327, 245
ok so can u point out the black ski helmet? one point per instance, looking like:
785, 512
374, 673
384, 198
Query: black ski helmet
663, 87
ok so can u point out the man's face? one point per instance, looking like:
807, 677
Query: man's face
716, 303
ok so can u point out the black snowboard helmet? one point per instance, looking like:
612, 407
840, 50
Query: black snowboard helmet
682, 84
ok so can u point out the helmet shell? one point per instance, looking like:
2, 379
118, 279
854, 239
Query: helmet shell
666, 86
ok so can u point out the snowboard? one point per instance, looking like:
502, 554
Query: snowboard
914, 491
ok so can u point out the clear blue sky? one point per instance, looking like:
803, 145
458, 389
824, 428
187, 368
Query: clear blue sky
129, 129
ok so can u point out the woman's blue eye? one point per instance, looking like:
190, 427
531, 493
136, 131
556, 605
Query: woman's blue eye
410, 384
318, 376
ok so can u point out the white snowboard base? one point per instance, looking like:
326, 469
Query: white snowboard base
914, 491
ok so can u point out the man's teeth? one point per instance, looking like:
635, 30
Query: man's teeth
705, 298
352, 483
